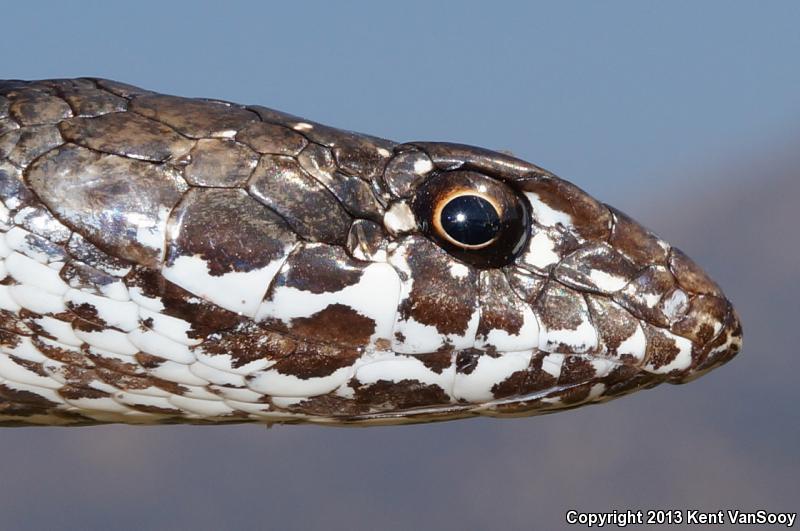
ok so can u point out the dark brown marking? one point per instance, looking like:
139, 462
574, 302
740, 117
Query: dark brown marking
315, 361
437, 298
228, 229
318, 269
661, 349
436, 361
575, 369
613, 323
405, 394
336, 323
73, 392
561, 308
501, 308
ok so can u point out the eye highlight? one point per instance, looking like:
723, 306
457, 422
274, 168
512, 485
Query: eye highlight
477, 219
469, 220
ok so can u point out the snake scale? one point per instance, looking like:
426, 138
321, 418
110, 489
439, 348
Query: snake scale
178, 260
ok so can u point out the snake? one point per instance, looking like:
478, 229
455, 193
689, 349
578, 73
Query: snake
169, 260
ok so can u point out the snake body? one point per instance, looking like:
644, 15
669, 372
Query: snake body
174, 260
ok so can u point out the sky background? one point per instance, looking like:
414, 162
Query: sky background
686, 115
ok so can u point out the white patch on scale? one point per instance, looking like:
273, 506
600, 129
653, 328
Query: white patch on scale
17, 239
216, 376
109, 340
544, 214
202, 408
399, 218
502, 341
60, 330
374, 296
171, 327
28, 271
158, 345
37, 300
398, 368
180, 373
606, 282
271, 382
635, 345
477, 386
237, 291
541, 251
582, 339
119, 314
17, 373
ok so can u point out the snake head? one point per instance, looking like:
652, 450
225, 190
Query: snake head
524, 262
256, 266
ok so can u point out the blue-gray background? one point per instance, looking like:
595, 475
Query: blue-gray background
684, 114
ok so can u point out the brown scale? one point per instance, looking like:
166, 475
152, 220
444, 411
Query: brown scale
86, 100
126, 135
34, 142
635, 242
97, 208
194, 118
501, 309
201, 228
575, 269
272, 139
661, 349
561, 308
33, 107
354, 194
221, 163
310, 209
652, 281
613, 324
437, 298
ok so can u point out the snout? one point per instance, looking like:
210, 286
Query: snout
709, 320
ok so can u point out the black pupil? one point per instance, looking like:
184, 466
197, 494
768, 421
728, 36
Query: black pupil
470, 220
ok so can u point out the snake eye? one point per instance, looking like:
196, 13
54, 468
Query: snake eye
477, 219
468, 220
